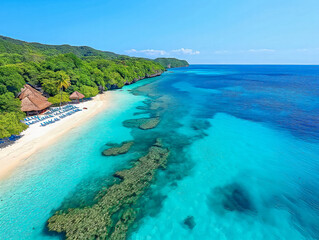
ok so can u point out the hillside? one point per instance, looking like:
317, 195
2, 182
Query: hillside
13, 46
15, 51
172, 62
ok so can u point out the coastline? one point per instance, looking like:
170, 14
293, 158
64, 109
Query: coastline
36, 137
31, 141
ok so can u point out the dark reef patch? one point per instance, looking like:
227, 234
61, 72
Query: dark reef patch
140, 113
199, 125
142, 108
230, 198
189, 222
150, 203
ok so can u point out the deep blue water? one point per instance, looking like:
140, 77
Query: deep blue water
244, 160
285, 96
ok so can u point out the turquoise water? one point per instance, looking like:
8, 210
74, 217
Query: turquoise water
49, 178
244, 144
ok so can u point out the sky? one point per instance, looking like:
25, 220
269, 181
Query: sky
200, 31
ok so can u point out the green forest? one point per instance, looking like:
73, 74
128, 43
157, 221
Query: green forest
88, 70
171, 62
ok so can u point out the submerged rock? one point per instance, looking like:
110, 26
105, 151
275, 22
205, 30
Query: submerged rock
200, 125
141, 113
114, 213
151, 123
133, 123
142, 123
158, 143
153, 95
189, 222
142, 108
231, 198
117, 150
237, 200
155, 106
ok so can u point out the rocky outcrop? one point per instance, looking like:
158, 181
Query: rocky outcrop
153, 75
156, 74
114, 86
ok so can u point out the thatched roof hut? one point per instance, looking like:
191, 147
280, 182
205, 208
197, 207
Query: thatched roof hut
76, 96
32, 103
32, 100
28, 90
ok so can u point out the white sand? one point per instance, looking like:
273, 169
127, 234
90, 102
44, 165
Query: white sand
37, 137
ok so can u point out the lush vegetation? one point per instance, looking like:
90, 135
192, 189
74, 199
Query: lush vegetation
171, 62
60, 97
10, 115
61, 70
23, 51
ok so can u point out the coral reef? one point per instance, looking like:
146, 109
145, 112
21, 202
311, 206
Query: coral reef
117, 150
114, 213
151, 123
142, 123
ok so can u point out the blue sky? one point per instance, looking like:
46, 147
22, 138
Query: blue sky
200, 31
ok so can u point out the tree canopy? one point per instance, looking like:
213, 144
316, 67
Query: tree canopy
171, 62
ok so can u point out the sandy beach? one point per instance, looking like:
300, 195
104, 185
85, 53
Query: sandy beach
37, 137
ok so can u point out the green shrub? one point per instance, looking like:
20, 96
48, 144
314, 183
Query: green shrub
10, 124
88, 91
57, 98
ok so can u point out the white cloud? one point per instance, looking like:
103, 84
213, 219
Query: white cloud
186, 51
261, 50
151, 52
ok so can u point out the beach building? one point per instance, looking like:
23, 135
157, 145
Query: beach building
32, 101
77, 96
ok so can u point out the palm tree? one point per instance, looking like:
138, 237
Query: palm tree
62, 82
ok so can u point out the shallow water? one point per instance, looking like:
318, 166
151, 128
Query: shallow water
244, 144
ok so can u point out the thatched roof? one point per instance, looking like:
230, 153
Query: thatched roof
28, 90
77, 95
32, 100
32, 103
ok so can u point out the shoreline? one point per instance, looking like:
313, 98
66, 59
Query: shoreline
31, 141
36, 138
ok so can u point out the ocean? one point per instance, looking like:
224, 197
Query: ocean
243, 164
